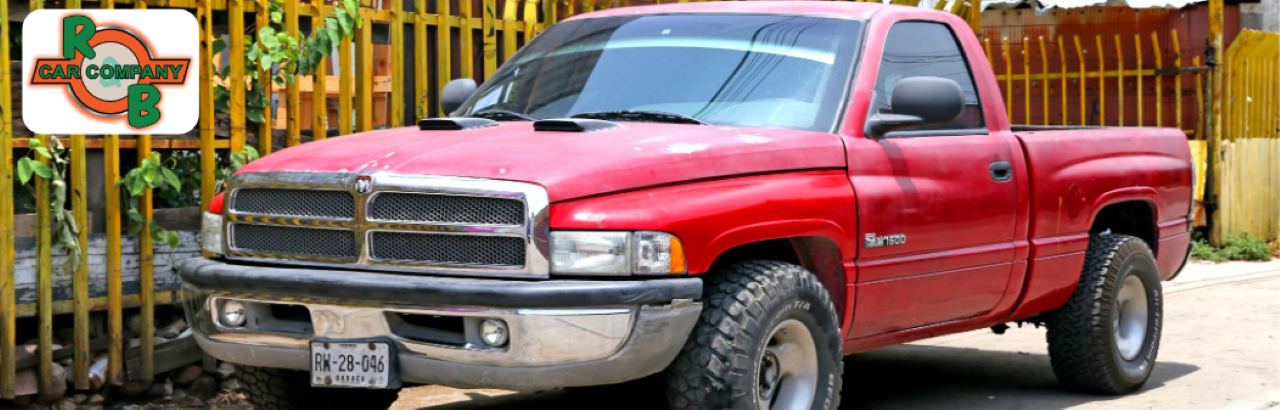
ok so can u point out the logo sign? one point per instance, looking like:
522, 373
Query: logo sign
110, 72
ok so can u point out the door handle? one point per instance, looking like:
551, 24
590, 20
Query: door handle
1001, 171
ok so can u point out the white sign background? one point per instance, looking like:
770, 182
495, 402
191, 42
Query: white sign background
169, 34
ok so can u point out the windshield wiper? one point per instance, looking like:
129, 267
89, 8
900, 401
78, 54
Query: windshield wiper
640, 116
502, 115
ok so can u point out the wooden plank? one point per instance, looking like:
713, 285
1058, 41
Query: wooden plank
530, 20
1062, 65
491, 37
1044, 85
509, 29
169, 356
1137, 47
466, 54
444, 65
344, 86
293, 98
207, 124
1200, 125
44, 275
364, 76
235, 22
111, 173
80, 278
1102, 82
1120, 80
1177, 80
146, 257
319, 91
420, 60
397, 64
115, 313
264, 82
98, 304
1008, 82
1026, 81
549, 13
146, 270
64, 352
8, 329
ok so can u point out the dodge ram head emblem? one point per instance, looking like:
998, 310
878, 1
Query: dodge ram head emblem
873, 241
364, 185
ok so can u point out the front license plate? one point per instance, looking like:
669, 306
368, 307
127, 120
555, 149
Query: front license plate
352, 364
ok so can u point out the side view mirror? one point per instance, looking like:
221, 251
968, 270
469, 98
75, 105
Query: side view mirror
455, 93
919, 101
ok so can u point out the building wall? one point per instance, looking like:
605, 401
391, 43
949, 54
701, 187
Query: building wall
1263, 15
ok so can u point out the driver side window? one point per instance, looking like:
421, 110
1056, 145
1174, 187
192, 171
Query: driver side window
916, 48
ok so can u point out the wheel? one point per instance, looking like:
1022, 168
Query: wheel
768, 338
280, 389
1105, 339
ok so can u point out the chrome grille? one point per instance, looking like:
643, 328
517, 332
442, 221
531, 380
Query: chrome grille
447, 249
295, 202
399, 206
289, 240
389, 222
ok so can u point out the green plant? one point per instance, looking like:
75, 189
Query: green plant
1237, 248
65, 231
286, 57
150, 174
186, 164
229, 165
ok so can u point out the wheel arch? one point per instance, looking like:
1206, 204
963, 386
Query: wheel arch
818, 254
1134, 216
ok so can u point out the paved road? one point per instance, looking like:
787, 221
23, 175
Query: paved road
1221, 350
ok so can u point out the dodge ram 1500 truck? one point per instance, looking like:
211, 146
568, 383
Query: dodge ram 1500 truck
726, 196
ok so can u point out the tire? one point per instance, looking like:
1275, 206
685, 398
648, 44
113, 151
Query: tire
747, 306
1093, 346
280, 389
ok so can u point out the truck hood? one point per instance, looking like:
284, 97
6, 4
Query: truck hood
568, 164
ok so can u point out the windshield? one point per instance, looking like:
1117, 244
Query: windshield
772, 71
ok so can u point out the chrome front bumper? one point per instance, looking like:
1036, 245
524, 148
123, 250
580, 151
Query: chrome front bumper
625, 330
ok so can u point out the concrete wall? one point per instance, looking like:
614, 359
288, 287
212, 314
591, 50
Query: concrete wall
1263, 15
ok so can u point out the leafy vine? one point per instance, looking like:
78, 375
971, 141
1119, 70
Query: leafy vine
65, 231
286, 57
151, 173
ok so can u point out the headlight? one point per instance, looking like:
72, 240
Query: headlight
211, 233
658, 253
608, 253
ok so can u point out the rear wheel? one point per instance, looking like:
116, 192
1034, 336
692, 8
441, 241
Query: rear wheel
280, 389
1105, 339
768, 338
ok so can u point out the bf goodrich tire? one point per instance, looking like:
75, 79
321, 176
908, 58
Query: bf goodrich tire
1105, 339
280, 389
768, 338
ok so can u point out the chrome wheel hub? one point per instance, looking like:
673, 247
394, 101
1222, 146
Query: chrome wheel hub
1130, 321
788, 376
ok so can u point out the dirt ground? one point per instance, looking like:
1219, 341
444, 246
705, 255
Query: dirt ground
1220, 350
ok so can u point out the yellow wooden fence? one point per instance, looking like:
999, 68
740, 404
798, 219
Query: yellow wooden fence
1249, 165
1018, 71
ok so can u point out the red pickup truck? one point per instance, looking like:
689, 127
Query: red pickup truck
727, 196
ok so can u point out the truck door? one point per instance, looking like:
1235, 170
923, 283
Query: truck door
936, 204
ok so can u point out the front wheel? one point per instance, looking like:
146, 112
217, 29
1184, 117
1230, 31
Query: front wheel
768, 338
1105, 339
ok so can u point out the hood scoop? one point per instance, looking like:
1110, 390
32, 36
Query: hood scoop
454, 124
573, 125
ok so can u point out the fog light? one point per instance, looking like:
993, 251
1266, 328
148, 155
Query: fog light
233, 313
494, 332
